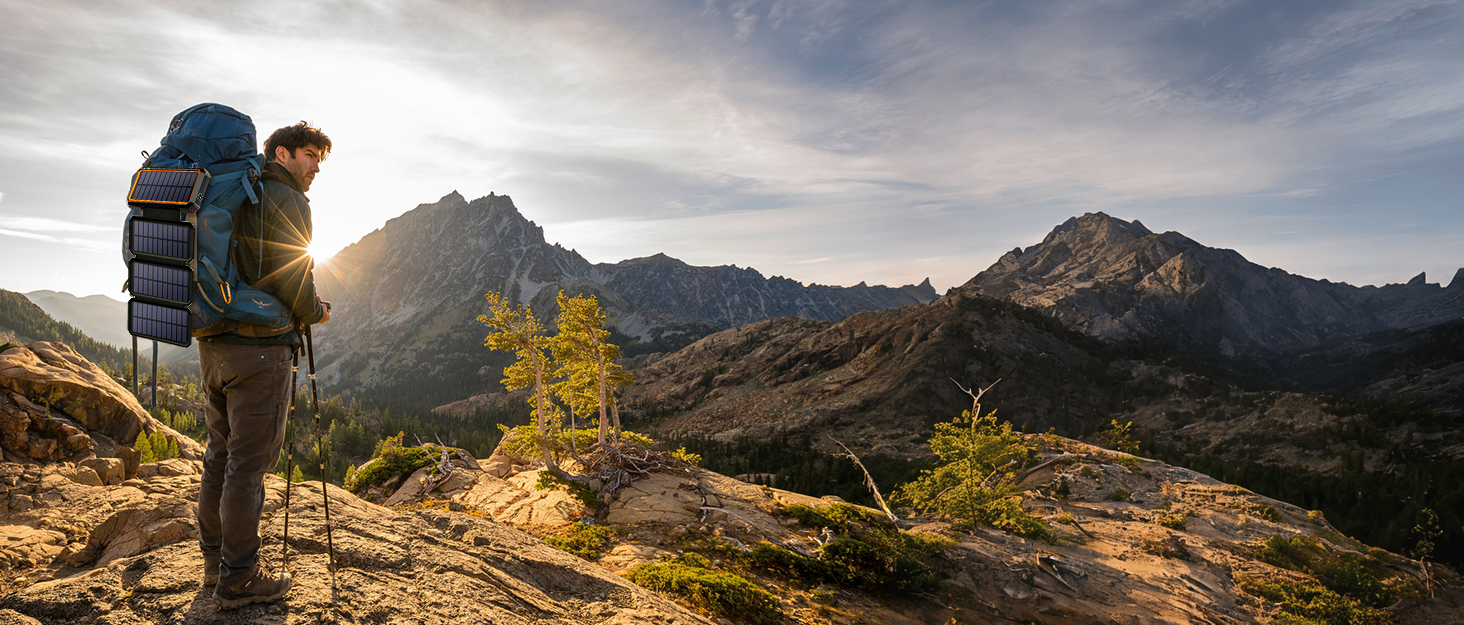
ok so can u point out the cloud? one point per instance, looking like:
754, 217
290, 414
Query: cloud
44, 224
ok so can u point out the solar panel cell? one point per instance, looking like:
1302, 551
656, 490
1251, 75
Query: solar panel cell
154, 238
160, 323
167, 188
160, 282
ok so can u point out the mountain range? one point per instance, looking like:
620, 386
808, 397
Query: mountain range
405, 298
1116, 280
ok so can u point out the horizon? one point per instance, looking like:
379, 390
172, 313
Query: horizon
830, 143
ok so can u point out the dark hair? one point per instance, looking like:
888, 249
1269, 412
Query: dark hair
295, 137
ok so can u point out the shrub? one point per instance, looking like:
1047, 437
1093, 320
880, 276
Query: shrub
584, 540
1357, 577
974, 478
1131, 463
1311, 603
718, 592
1177, 521
1119, 495
867, 552
391, 460
1117, 436
836, 517
1266, 511
549, 480
1166, 547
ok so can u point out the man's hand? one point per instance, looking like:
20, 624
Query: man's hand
326, 306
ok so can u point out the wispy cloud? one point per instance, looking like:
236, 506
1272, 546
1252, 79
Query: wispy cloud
763, 133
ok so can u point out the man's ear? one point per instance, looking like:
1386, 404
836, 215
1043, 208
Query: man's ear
282, 154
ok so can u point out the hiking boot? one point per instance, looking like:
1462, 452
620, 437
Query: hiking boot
259, 588
210, 569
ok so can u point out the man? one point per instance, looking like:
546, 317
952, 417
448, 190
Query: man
246, 373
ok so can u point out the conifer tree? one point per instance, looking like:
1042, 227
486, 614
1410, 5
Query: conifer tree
143, 446
516, 330
584, 355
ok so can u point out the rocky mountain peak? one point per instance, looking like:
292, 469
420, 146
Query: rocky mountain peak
1118, 280
1097, 228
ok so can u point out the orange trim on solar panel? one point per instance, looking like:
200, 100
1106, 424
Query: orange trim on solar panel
131, 193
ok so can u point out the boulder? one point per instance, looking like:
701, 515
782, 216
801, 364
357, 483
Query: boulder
110, 471
68, 406
23, 547
54, 375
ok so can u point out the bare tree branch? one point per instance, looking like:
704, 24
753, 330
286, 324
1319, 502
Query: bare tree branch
868, 481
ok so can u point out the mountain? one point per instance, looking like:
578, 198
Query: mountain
1117, 280
405, 298
101, 317
105, 319
22, 321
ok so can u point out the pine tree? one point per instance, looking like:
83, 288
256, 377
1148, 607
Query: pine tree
516, 330
143, 446
585, 357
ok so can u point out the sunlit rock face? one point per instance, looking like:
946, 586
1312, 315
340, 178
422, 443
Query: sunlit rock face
1117, 280
405, 297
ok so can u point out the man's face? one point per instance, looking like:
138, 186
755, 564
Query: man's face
303, 163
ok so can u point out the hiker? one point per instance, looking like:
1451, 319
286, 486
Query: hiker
247, 372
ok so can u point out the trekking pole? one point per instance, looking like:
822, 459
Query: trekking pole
322, 451
289, 459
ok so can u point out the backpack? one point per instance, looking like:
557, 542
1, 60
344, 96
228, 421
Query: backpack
214, 146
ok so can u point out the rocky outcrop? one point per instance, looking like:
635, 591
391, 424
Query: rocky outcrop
1117, 280
1173, 550
128, 554
56, 404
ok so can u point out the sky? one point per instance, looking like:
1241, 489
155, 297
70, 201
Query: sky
827, 141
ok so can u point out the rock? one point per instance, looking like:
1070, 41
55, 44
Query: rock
624, 557
516, 501
82, 475
655, 499
145, 525
169, 467
11, 617
131, 461
24, 547
53, 375
110, 471
498, 466
387, 562
20, 502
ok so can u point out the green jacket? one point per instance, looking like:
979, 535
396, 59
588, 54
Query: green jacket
272, 256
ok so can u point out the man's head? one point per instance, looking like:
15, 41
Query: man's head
299, 149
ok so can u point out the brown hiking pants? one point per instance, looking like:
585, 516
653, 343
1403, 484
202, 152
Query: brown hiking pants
246, 394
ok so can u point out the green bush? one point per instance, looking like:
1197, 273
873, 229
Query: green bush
1307, 603
549, 480
974, 480
1119, 495
836, 517
867, 552
392, 460
717, 592
1177, 521
584, 540
1355, 576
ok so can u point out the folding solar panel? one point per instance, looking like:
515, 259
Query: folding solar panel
160, 282
160, 240
168, 188
159, 323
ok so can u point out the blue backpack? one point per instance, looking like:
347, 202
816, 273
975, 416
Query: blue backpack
220, 140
